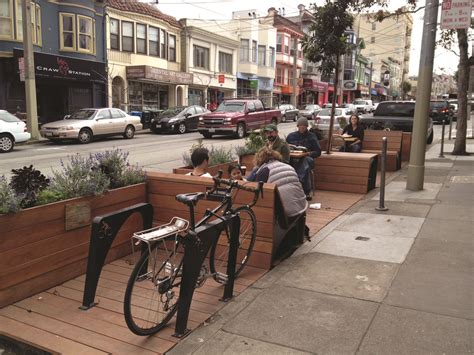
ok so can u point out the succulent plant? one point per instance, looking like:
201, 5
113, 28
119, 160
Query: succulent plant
28, 182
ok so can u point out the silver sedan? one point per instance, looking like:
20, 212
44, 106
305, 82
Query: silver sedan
88, 123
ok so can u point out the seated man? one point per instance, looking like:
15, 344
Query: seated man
200, 161
276, 143
306, 139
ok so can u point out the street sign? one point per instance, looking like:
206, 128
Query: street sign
456, 14
221, 78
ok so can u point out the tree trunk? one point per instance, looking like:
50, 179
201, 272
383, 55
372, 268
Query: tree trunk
333, 107
463, 83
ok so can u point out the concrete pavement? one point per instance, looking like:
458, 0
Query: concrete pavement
395, 282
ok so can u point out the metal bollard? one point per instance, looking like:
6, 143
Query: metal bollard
441, 153
382, 177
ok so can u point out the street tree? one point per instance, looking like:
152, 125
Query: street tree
406, 87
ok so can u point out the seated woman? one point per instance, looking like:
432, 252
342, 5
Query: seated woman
235, 172
269, 168
356, 130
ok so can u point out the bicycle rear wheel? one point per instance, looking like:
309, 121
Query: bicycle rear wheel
220, 250
152, 292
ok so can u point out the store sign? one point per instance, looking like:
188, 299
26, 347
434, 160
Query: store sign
386, 78
60, 67
349, 85
221, 78
253, 84
158, 74
265, 84
310, 84
456, 14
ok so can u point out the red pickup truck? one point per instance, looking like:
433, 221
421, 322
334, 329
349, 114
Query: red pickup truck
237, 117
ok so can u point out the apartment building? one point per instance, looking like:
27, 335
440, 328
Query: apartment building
210, 53
144, 58
390, 38
68, 44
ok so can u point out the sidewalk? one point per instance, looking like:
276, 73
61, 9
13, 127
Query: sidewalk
395, 282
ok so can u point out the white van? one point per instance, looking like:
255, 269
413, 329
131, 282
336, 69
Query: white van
364, 106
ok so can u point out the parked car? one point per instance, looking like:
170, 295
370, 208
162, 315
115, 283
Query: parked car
237, 117
396, 115
310, 111
454, 107
87, 123
440, 110
351, 107
288, 112
364, 106
178, 119
12, 131
329, 105
341, 118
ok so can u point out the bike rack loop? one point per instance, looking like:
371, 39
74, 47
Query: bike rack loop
195, 255
104, 231
381, 206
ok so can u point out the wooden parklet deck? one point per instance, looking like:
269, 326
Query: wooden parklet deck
52, 319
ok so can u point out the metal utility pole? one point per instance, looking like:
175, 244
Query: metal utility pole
30, 81
416, 167
340, 79
295, 71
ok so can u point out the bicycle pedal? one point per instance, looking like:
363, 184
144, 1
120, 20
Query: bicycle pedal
221, 278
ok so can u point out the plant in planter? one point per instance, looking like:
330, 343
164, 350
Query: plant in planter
28, 182
217, 155
10, 202
253, 142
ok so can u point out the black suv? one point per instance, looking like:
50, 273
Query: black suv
441, 110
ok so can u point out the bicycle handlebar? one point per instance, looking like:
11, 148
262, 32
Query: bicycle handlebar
235, 184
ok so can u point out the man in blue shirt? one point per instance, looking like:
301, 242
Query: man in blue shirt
304, 138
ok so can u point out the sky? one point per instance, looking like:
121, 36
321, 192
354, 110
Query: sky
445, 61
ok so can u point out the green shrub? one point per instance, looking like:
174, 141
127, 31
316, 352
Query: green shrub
10, 202
47, 196
253, 142
217, 155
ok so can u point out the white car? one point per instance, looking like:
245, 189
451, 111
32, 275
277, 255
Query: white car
341, 118
12, 130
364, 106
87, 123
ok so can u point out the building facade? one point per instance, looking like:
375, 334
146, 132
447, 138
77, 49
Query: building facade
144, 58
211, 55
68, 43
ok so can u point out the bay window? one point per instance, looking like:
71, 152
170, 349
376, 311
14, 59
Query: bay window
154, 41
127, 36
114, 34
141, 38
172, 48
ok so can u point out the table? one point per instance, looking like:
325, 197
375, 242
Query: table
296, 154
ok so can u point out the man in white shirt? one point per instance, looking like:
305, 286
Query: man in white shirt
200, 161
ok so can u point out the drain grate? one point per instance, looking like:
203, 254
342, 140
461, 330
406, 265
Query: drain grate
364, 239
462, 179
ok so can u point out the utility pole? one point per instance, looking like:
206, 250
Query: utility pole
340, 79
29, 63
295, 71
416, 167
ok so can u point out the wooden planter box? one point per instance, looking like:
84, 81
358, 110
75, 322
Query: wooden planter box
213, 170
37, 251
406, 146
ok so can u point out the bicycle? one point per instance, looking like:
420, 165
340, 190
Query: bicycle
151, 296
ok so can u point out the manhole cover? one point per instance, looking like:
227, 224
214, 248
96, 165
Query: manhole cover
462, 179
364, 239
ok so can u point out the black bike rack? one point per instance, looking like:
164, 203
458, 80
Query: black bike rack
104, 231
195, 254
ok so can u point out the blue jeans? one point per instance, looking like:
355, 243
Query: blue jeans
355, 148
303, 167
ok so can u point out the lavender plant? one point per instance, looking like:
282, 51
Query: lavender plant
10, 202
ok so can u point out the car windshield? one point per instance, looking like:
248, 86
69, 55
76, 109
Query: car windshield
171, 112
6, 116
82, 115
231, 107
394, 109
437, 104
359, 102
327, 112
311, 107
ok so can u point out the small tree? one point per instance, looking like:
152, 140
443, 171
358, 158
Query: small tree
406, 87
326, 42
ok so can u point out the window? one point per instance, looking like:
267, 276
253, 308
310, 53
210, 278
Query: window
251, 106
68, 32
141, 38
35, 22
244, 50
201, 57
85, 27
374, 26
172, 48
290, 77
279, 76
271, 60
116, 113
225, 62
287, 46
153, 41
114, 34
372, 39
254, 51
258, 106
279, 42
127, 36
6, 16
262, 55
162, 44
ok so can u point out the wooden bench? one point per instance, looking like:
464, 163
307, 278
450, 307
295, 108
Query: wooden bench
345, 172
163, 187
373, 144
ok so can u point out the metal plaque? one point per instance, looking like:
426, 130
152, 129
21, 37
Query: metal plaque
77, 215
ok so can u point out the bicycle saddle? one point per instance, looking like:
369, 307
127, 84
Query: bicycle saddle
191, 198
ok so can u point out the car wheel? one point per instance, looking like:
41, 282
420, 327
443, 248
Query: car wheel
182, 128
206, 134
85, 136
6, 143
430, 138
283, 118
153, 128
274, 121
129, 132
240, 133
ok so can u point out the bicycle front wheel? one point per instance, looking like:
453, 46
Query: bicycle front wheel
152, 292
220, 250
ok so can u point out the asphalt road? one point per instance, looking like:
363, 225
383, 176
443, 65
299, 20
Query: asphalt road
155, 152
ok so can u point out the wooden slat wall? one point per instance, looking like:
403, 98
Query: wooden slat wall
373, 144
406, 146
163, 188
213, 170
36, 252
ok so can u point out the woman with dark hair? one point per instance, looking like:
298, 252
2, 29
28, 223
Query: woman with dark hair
355, 130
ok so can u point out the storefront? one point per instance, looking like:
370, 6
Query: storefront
151, 88
247, 85
314, 92
362, 91
63, 85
